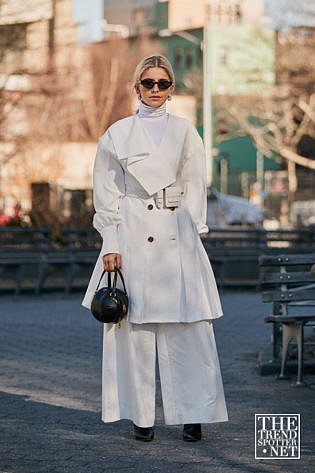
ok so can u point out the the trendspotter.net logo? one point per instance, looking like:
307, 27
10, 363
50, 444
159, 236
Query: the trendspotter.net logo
277, 436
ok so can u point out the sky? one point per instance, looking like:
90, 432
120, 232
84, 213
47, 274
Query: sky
291, 12
89, 12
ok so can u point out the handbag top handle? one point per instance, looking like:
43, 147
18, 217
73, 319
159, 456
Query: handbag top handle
109, 281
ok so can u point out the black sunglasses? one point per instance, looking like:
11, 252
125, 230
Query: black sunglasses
162, 84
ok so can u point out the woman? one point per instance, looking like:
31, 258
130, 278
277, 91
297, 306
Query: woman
150, 202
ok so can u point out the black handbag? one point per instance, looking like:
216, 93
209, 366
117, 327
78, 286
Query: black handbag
109, 304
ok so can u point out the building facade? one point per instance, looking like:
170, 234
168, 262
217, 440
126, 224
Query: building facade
42, 83
138, 15
181, 14
184, 14
33, 32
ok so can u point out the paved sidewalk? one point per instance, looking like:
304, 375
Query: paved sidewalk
50, 397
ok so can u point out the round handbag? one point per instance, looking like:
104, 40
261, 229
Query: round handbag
109, 304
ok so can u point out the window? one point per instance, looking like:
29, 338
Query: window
138, 18
178, 58
12, 45
223, 55
238, 14
189, 57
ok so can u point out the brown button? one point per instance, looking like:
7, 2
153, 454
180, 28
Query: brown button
150, 239
150, 207
172, 208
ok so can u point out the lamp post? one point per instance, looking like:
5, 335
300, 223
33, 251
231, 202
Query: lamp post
260, 160
207, 102
260, 171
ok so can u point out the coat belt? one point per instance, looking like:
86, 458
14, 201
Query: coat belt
167, 198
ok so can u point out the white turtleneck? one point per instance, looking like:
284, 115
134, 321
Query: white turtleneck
154, 119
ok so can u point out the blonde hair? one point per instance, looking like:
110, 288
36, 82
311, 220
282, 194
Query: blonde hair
153, 61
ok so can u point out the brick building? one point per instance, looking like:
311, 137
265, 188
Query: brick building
42, 80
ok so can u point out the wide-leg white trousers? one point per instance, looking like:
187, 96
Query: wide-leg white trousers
191, 384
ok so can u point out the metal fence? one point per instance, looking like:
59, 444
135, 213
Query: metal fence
41, 259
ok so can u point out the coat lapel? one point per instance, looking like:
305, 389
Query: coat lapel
149, 164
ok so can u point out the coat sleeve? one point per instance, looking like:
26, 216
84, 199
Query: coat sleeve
193, 178
108, 190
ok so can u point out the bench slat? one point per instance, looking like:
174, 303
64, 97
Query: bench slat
290, 318
286, 278
287, 296
286, 260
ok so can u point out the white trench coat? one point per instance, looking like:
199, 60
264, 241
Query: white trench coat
166, 269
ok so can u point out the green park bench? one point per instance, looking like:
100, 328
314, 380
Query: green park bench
288, 282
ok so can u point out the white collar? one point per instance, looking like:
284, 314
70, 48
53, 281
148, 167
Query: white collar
145, 111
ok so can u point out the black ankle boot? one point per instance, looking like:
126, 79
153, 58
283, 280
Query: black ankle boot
146, 434
192, 432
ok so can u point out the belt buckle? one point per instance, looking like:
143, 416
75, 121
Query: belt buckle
168, 198
172, 197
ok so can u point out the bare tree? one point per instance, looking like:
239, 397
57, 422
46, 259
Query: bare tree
278, 127
78, 102
111, 65
72, 102
12, 39
281, 124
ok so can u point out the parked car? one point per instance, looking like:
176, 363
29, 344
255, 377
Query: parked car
302, 213
225, 210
